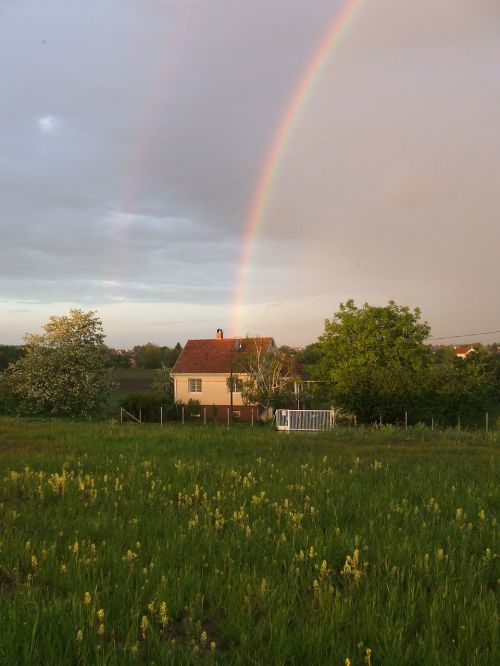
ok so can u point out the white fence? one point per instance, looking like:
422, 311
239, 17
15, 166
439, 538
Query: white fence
304, 419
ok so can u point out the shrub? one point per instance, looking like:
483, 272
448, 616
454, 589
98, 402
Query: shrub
148, 404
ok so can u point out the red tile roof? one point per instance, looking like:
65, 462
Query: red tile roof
462, 350
214, 355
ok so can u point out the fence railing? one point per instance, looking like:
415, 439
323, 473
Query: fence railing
304, 419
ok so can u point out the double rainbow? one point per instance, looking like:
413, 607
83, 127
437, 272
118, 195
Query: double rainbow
279, 144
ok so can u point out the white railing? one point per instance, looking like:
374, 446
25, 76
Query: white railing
305, 419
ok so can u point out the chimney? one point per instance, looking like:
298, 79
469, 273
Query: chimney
220, 334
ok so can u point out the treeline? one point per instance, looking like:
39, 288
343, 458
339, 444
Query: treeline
10, 354
149, 356
374, 363
153, 356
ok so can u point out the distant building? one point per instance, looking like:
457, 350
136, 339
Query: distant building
463, 351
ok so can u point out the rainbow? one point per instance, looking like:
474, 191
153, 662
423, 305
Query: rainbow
280, 142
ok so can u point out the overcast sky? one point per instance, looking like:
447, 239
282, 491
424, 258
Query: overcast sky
133, 134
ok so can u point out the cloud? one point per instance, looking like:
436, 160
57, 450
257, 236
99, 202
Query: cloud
133, 153
48, 124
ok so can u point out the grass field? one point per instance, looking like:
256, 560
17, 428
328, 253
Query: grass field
129, 380
185, 545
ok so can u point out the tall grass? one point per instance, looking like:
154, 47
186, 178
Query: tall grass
185, 545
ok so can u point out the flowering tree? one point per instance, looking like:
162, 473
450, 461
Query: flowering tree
267, 377
63, 370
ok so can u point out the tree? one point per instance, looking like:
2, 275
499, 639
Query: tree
374, 360
148, 356
118, 359
462, 387
9, 354
163, 385
153, 356
266, 377
159, 396
63, 370
170, 355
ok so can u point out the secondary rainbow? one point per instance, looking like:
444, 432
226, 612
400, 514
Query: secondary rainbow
280, 141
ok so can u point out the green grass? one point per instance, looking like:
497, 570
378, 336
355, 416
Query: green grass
299, 549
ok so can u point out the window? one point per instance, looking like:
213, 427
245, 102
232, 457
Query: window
237, 384
194, 385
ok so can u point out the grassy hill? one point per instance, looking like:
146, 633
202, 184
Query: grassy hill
130, 380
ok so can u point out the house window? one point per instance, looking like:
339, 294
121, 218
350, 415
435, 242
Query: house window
237, 384
194, 385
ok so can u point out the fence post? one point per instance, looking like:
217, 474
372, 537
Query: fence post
140, 415
406, 420
487, 422
204, 416
161, 416
121, 414
252, 417
432, 423
228, 417
183, 415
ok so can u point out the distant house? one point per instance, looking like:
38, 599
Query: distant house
203, 372
463, 351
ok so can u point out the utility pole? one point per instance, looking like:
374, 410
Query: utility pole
231, 386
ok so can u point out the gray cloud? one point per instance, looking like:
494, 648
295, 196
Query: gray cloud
129, 156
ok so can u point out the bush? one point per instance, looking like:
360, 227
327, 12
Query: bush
148, 404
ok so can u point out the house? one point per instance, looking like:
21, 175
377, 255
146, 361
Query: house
463, 351
204, 370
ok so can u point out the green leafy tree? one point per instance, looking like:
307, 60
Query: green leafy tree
64, 369
462, 388
118, 360
148, 356
9, 354
374, 360
170, 355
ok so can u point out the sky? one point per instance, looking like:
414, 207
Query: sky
133, 134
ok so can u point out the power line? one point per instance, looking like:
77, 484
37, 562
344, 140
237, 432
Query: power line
467, 335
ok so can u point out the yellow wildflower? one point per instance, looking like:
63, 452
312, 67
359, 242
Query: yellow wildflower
79, 635
87, 598
163, 614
